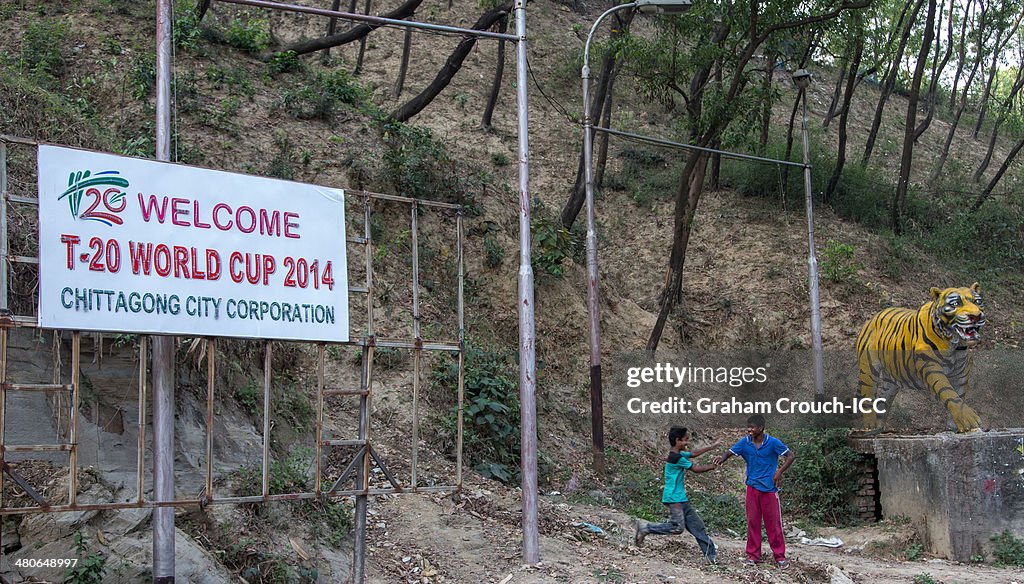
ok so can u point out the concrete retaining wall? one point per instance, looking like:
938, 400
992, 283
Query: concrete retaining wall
958, 489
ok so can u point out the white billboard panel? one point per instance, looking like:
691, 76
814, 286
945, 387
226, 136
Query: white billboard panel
131, 245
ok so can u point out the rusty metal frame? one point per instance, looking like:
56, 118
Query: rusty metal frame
364, 459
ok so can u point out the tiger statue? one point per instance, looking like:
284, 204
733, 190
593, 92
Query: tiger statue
924, 348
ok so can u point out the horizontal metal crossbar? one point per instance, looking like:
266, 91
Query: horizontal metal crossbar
38, 386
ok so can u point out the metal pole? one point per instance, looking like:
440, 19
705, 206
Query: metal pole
3, 225
163, 346
812, 265
593, 300
527, 349
365, 379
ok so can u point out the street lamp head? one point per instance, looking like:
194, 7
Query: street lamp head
663, 6
802, 78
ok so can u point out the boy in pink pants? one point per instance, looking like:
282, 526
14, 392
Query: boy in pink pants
761, 452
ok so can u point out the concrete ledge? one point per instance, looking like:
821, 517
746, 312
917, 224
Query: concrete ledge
958, 489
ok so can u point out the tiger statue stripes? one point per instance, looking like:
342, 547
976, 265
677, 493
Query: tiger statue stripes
925, 348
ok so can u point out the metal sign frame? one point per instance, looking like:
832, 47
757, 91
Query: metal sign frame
358, 469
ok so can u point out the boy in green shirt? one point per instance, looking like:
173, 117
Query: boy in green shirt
683, 515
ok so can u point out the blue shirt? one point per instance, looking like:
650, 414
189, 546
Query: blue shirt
675, 475
761, 461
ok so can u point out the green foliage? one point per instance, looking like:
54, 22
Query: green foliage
282, 165
416, 164
248, 33
837, 264
237, 79
322, 96
892, 263
90, 566
337, 516
720, 512
142, 77
495, 254
141, 146
186, 29
292, 474
553, 244
41, 50
924, 578
914, 552
821, 484
284, 62
491, 432
249, 397
1008, 549
647, 176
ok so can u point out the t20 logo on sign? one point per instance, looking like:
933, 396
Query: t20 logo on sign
102, 192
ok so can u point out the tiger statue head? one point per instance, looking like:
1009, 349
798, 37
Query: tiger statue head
958, 314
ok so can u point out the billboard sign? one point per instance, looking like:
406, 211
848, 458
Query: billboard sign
132, 245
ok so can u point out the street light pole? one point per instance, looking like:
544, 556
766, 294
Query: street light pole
802, 79
593, 302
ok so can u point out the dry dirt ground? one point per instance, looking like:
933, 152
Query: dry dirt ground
477, 539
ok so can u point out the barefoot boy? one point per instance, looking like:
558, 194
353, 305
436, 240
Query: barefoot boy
683, 516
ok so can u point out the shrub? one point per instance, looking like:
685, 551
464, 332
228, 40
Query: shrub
1008, 549
187, 32
417, 165
720, 512
838, 265
320, 97
284, 62
41, 54
553, 244
491, 433
90, 566
248, 34
823, 480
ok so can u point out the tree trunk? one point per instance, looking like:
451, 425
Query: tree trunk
889, 83
688, 195
451, 66
201, 7
404, 65
999, 47
499, 72
1004, 111
578, 195
944, 154
961, 55
766, 104
716, 158
999, 175
332, 25
835, 95
844, 115
899, 200
356, 33
937, 69
362, 44
789, 140
792, 118
606, 121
